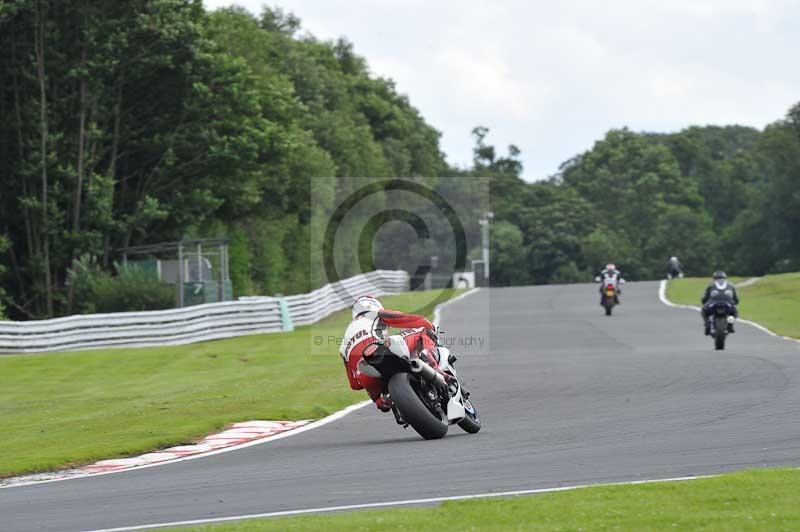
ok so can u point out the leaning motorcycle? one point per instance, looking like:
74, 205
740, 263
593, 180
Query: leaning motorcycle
720, 316
423, 389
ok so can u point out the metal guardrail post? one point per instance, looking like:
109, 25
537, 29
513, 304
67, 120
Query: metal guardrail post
180, 275
286, 316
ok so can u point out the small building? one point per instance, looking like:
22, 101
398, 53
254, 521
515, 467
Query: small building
197, 268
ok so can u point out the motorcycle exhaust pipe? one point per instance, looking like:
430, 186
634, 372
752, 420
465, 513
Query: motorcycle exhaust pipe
426, 372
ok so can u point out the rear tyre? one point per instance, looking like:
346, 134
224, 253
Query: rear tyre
430, 423
471, 422
608, 310
720, 330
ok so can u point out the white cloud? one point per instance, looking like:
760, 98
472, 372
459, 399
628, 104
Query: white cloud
552, 77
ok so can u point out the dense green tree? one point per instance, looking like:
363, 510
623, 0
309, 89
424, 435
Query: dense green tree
554, 224
779, 154
605, 245
721, 160
357, 124
508, 257
126, 123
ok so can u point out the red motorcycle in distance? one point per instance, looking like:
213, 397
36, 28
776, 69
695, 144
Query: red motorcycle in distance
609, 299
609, 294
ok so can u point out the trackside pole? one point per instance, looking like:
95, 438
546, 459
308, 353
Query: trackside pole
286, 316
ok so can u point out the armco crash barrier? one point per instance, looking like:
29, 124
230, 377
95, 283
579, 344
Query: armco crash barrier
194, 324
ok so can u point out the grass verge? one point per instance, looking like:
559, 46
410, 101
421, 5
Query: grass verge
66, 409
751, 500
774, 301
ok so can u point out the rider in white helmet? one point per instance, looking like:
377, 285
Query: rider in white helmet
610, 275
370, 323
674, 267
366, 304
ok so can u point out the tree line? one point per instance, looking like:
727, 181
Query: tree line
716, 197
124, 123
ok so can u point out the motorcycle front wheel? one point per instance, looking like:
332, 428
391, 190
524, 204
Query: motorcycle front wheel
408, 395
471, 422
720, 331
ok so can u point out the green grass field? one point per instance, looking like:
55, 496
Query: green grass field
751, 500
774, 301
65, 409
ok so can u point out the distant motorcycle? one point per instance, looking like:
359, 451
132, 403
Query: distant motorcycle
720, 315
609, 294
424, 389
674, 268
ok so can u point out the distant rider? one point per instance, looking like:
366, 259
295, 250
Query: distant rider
611, 275
369, 325
719, 290
674, 268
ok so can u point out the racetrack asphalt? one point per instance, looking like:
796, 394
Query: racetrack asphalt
567, 396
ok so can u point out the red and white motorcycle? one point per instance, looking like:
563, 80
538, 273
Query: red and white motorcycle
423, 389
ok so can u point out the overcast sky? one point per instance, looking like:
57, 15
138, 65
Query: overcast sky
552, 77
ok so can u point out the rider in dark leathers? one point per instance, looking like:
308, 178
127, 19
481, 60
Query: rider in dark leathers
719, 290
674, 267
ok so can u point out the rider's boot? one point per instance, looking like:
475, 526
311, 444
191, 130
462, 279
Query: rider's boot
383, 403
374, 389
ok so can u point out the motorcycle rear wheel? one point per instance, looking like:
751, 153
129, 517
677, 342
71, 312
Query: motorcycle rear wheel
413, 410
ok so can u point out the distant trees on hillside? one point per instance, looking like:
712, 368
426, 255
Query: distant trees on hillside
717, 197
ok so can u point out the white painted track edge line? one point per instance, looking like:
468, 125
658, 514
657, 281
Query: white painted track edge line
662, 295
313, 425
387, 504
